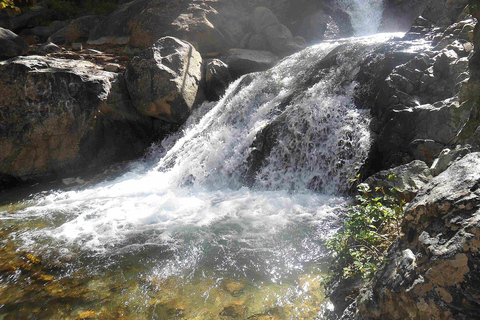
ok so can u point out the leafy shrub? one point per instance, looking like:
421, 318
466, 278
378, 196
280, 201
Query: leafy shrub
371, 226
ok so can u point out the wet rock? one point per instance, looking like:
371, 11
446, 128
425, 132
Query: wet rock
235, 288
234, 309
11, 45
63, 115
242, 61
112, 67
431, 272
217, 79
163, 81
421, 131
409, 178
50, 48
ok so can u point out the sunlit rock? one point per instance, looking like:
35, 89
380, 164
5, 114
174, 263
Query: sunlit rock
163, 81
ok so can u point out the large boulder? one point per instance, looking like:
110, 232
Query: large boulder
278, 36
210, 27
163, 81
408, 178
77, 31
432, 272
60, 115
11, 45
243, 61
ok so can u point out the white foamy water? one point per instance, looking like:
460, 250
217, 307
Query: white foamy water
365, 15
203, 202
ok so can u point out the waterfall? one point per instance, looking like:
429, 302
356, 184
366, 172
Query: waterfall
248, 188
365, 15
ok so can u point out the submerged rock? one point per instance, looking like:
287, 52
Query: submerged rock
163, 81
60, 115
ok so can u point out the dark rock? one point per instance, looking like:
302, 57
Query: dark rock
257, 42
50, 48
163, 80
11, 45
210, 28
409, 178
263, 18
217, 79
77, 31
242, 61
63, 115
432, 273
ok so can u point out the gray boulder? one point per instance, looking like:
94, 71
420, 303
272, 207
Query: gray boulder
279, 38
409, 178
432, 273
263, 18
243, 61
62, 115
163, 80
77, 31
11, 45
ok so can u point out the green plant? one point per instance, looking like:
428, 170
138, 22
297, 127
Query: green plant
371, 226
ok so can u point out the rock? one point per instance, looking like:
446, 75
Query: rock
431, 273
50, 48
409, 178
163, 80
234, 309
281, 40
315, 25
257, 42
235, 288
77, 31
11, 45
77, 46
217, 79
242, 61
437, 124
210, 27
112, 67
62, 116
447, 157
263, 18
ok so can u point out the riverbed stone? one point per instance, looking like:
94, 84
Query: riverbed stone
163, 81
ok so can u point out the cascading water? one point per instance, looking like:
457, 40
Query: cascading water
365, 15
245, 192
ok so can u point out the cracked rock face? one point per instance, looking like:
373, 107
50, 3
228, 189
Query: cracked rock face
433, 271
